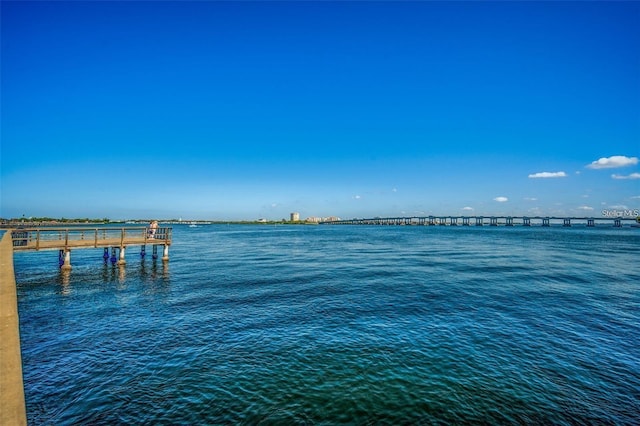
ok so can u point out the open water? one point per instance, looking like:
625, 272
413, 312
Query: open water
339, 324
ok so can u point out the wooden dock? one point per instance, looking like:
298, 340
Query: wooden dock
66, 239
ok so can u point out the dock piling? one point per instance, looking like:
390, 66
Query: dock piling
66, 265
121, 260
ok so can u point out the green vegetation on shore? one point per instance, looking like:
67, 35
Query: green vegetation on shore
49, 221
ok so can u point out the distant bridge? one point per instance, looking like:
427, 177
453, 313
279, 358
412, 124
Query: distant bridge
545, 221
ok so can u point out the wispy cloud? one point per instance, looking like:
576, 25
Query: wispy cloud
636, 197
631, 176
467, 208
357, 197
588, 208
547, 175
530, 199
613, 162
501, 199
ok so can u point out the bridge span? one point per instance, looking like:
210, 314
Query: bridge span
544, 221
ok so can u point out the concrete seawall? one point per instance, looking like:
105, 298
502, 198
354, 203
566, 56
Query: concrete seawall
12, 403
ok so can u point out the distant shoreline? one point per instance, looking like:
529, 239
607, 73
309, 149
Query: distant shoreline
8, 224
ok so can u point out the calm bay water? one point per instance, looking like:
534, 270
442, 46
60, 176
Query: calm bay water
339, 324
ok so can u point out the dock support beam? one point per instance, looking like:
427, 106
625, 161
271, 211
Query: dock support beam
122, 260
165, 254
66, 265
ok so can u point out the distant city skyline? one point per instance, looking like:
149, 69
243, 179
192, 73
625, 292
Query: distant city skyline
248, 110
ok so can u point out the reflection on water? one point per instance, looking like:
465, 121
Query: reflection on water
147, 271
122, 274
65, 277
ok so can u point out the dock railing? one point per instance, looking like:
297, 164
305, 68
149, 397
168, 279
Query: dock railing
67, 238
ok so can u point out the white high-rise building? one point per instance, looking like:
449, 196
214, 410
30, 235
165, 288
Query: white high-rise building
295, 217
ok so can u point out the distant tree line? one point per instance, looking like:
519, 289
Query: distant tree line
46, 219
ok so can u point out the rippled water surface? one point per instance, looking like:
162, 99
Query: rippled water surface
339, 324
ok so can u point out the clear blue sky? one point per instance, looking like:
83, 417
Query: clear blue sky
241, 110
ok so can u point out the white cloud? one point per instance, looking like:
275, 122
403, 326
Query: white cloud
501, 199
530, 199
631, 176
619, 207
636, 197
613, 162
357, 197
585, 208
547, 175
467, 208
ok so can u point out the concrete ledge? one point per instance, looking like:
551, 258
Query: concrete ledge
12, 403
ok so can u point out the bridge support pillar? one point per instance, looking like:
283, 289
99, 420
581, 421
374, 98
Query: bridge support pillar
121, 260
443, 221
432, 221
617, 223
454, 221
165, 254
465, 221
591, 223
494, 221
545, 221
66, 265
566, 222
509, 221
479, 221
526, 221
